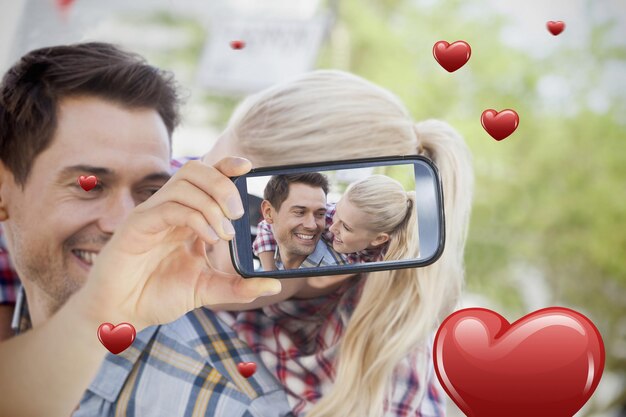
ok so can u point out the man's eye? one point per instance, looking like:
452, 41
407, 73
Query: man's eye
98, 187
150, 191
298, 213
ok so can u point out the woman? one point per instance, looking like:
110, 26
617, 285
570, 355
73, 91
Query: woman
371, 213
376, 356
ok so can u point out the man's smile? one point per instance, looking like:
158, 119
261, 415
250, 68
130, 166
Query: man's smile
85, 256
306, 238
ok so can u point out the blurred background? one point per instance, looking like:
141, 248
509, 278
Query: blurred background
549, 219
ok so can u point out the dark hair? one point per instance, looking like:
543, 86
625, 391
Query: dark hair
277, 189
31, 90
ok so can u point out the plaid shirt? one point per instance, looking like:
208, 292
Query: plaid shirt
189, 367
265, 242
9, 283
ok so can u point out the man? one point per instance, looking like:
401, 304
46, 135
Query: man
68, 111
295, 206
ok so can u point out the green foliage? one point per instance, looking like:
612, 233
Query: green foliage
552, 195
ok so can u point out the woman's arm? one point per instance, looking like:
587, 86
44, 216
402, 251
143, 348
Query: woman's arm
153, 270
267, 261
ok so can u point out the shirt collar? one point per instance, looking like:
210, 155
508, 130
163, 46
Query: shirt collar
322, 255
115, 369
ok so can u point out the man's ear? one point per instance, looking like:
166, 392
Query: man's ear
267, 211
380, 239
5, 176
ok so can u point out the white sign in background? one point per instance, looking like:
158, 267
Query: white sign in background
274, 50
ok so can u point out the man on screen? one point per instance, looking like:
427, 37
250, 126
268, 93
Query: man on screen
295, 207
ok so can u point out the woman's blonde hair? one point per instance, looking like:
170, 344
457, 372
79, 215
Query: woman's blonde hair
333, 115
389, 209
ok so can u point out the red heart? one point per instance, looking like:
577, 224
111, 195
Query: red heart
116, 338
246, 369
452, 56
547, 364
555, 27
87, 183
237, 44
64, 4
499, 125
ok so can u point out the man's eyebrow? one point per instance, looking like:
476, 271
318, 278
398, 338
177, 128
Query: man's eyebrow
89, 169
306, 208
158, 176
106, 172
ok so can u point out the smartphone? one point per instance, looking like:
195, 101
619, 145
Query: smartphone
305, 220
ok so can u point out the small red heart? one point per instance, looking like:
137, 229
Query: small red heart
87, 183
452, 56
246, 369
499, 125
116, 338
64, 4
237, 44
555, 27
546, 364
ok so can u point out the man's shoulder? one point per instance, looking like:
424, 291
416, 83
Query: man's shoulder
165, 363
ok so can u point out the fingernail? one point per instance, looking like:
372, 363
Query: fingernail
234, 207
228, 227
213, 234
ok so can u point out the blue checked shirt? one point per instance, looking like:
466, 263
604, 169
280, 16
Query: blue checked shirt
186, 368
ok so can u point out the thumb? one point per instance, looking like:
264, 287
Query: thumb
233, 166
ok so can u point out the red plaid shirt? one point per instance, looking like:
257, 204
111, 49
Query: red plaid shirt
265, 242
9, 283
298, 341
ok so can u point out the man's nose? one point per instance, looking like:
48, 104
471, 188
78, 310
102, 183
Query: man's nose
115, 210
309, 222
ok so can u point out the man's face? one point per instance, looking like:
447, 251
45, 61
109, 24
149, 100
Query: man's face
300, 221
55, 228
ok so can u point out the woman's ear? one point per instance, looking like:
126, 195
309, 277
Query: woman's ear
267, 211
380, 239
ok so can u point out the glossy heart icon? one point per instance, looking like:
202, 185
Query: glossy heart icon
547, 364
87, 183
237, 44
246, 369
555, 27
452, 56
499, 125
116, 338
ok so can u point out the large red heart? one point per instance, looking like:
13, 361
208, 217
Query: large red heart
555, 27
499, 125
87, 183
452, 56
246, 369
547, 364
116, 338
